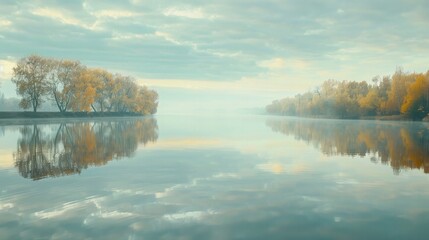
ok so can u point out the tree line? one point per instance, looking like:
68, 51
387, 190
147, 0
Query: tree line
402, 93
72, 86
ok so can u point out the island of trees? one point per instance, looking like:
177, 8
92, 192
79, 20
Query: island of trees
404, 95
71, 86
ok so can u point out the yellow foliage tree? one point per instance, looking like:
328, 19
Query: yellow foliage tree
85, 89
370, 102
62, 78
416, 101
73, 86
30, 77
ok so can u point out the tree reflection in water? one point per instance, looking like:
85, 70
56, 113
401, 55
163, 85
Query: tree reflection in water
402, 145
71, 147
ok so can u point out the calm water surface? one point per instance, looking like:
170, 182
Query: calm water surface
213, 177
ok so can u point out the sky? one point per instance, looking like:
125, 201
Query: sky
224, 55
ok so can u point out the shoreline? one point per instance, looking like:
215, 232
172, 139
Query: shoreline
42, 115
399, 118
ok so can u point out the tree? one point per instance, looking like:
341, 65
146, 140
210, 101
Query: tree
370, 102
398, 90
104, 91
416, 101
84, 90
127, 95
147, 101
64, 76
70, 85
30, 76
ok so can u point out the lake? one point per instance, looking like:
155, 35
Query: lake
213, 177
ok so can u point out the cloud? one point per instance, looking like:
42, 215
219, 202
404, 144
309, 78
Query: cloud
5, 23
115, 14
129, 36
188, 216
167, 37
63, 17
265, 45
6, 69
4, 206
281, 63
192, 13
275, 63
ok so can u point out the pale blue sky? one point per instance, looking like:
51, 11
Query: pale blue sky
227, 54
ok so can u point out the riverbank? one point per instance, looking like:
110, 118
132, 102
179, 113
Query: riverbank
375, 118
388, 118
24, 115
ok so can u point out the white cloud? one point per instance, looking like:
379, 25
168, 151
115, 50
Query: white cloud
115, 14
193, 13
188, 216
64, 17
218, 53
4, 206
281, 63
128, 36
6, 69
5, 23
113, 214
274, 63
167, 37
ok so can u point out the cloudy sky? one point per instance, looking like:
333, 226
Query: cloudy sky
225, 55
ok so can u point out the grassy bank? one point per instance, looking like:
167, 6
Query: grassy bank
11, 115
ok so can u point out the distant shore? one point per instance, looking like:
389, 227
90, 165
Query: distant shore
25, 115
375, 118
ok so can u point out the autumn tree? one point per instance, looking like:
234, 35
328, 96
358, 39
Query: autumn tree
383, 89
30, 77
70, 85
416, 102
85, 90
370, 103
105, 91
64, 75
147, 101
125, 93
398, 90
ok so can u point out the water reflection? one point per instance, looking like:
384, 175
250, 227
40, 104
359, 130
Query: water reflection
67, 148
402, 145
